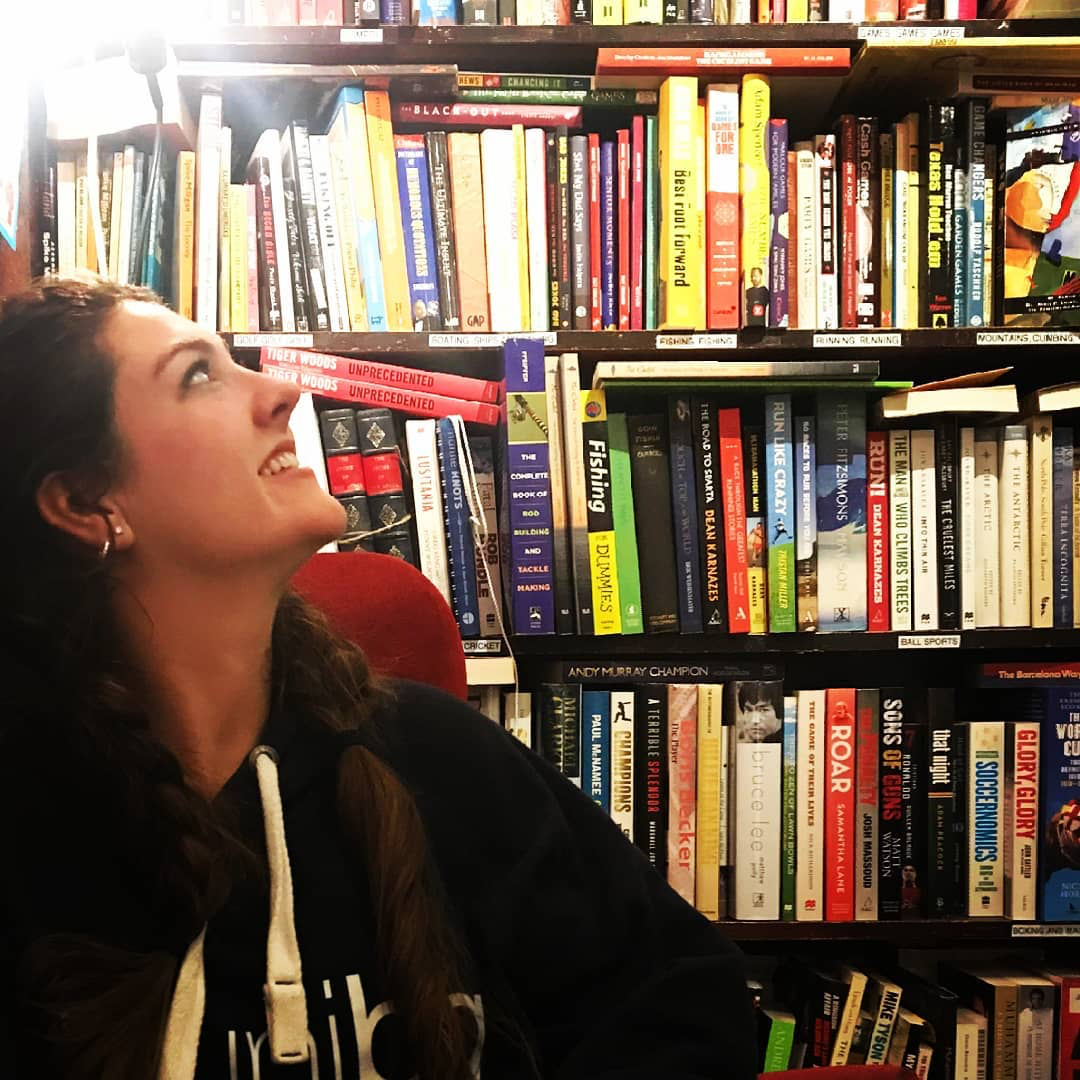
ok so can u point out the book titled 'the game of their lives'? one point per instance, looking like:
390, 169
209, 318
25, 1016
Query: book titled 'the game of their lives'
1049, 696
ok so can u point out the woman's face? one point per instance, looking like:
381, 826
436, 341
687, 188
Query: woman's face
210, 480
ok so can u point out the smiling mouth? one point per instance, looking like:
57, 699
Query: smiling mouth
279, 463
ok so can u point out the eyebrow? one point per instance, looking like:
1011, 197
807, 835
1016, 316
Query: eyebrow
179, 347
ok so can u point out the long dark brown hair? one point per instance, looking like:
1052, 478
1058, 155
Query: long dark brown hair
103, 1005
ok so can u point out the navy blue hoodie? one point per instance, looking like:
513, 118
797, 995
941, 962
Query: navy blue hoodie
584, 963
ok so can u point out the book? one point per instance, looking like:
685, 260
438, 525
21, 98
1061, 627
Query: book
709, 502
913, 807
427, 502
924, 530
946, 451
1064, 584
486, 541
1059, 871
806, 523
780, 517
432, 179
559, 728
651, 778
779, 243
576, 491
337, 301
890, 805
754, 193
468, 212
712, 804
596, 746
1022, 818
500, 229
645, 63
753, 435
809, 834
846, 166
756, 708
537, 228
840, 805
1041, 546
877, 524
941, 900
1014, 535
722, 207
841, 503
207, 181
581, 250
869, 223
939, 151
900, 521
562, 572
622, 761
856, 990
684, 515
987, 529
825, 232
472, 116
986, 868
729, 436
603, 558
787, 811
725, 372
867, 720
622, 514
967, 504
883, 1003
682, 725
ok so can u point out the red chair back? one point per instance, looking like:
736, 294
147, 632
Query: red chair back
392, 612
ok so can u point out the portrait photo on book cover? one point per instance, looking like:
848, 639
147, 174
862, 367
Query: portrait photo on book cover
759, 712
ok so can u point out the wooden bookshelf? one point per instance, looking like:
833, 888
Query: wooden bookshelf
902, 934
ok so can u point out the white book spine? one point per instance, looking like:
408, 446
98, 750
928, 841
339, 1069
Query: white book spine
914, 221
757, 830
207, 179
810, 806
328, 238
557, 479
224, 246
848, 11
488, 570
806, 239
986, 808
500, 229
924, 530
901, 209
827, 267
967, 528
82, 212
281, 232
622, 761
304, 428
65, 215
1042, 522
428, 503
987, 530
1014, 542
576, 497
116, 213
741, 11
517, 716
1022, 814
127, 222
536, 213
900, 527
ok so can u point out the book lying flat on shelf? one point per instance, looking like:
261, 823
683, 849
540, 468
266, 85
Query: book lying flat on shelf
661, 372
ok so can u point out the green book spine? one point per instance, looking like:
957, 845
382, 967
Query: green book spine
652, 220
781, 1039
780, 514
787, 811
622, 509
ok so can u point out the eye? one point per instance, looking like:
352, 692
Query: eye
197, 373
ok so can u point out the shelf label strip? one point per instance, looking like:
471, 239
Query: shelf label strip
361, 35
697, 341
259, 341
924, 35
928, 641
485, 341
1027, 337
857, 341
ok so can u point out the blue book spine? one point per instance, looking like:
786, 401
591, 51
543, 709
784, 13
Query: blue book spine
788, 810
684, 513
778, 223
528, 544
609, 296
1059, 873
596, 746
393, 13
976, 210
459, 548
960, 252
780, 514
419, 233
841, 512
806, 523
1063, 527
438, 13
367, 254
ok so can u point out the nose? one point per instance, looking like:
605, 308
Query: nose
274, 400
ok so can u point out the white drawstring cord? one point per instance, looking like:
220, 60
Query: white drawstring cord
286, 1005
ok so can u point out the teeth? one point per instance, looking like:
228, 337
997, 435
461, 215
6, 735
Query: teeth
279, 463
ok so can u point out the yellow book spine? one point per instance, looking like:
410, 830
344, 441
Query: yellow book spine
711, 805
184, 241
224, 233
348, 212
681, 298
914, 230
607, 13
798, 11
238, 259
754, 191
522, 225
757, 585
388, 209
603, 569
699, 249
643, 11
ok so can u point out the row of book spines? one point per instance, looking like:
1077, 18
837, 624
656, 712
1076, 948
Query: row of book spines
913, 817
566, 12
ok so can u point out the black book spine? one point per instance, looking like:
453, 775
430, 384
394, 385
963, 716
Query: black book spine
562, 140
939, 155
552, 734
551, 192
442, 219
49, 255
581, 11
941, 806
357, 523
959, 241
757, 556
710, 523
507, 12
296, 257
946, 438
890, 802
677, 11
269, 272
651, 774
959, 858
579, 217
318, 305
913, 776
651, 481
684, 514
361, 12
479, 12
868, 222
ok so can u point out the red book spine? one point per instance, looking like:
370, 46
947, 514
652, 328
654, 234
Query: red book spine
779, 11
840, 806
370, 371
793, 239
637, 222
415, 402
877, 520
594, 232
382, 473
849, 259
475, 117
722, 210
623, 161
718, 62
729, 436
1068, 1026
345, 473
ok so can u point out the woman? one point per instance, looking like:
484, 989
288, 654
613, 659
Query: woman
155, 516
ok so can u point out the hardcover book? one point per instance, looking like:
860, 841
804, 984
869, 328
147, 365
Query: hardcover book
806, 523
651, 775
867, 719
780, 517
710, 525
890, 806
877, 512
753, 436
840, 805
710, 892
754, 198
684, 515
596, 746
622, 761
603, 559
810, 742
682, 700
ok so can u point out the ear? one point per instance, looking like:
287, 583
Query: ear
62, 505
